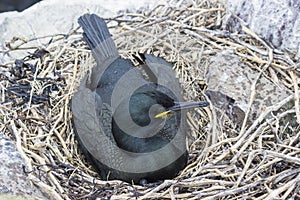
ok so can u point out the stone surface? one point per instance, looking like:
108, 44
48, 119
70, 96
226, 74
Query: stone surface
277, 21
50, 17
229, 87
13, 180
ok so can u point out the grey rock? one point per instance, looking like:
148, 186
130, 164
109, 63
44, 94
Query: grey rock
51, 17
13, 180
276, 21
229, 87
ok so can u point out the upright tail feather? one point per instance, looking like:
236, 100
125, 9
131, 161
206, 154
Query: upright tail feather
97, 37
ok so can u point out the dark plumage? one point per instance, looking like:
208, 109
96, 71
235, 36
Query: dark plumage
116, 112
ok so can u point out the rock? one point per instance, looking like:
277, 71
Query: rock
50, 17
276, 21
229, 87
13, 180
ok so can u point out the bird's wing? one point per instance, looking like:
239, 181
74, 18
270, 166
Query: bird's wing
85, 105
165, 75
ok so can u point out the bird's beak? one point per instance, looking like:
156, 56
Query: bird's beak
181, 106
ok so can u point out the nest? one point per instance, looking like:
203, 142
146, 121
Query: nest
260, 160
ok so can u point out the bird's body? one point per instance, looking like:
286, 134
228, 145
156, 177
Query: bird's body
114, 113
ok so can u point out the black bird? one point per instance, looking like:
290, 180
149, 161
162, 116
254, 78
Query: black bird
130, 122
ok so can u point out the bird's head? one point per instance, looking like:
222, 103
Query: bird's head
163, 106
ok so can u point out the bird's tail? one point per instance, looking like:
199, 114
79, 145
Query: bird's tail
98, 38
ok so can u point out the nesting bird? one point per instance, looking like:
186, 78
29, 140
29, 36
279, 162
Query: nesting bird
130, 125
